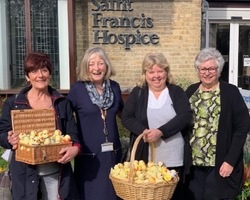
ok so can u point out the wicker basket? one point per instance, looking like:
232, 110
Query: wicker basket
128, 190
24, 121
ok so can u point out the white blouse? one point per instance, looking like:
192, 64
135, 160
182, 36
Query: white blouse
159, 112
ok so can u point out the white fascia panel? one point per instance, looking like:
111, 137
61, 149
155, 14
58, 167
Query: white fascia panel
228, 13
63, 44
4, 61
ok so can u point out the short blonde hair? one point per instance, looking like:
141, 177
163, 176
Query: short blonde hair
82, 69
149, 61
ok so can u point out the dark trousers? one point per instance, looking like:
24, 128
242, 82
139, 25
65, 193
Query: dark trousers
179, 190
202, 184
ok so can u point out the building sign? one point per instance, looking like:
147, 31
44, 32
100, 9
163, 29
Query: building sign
246, 61
103, 26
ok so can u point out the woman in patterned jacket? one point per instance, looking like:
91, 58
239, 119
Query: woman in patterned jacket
220, 126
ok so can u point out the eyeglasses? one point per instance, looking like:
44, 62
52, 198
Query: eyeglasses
210, 70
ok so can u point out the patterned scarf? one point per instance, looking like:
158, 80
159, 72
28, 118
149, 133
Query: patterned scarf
104, 100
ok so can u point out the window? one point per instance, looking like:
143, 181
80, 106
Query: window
45, 18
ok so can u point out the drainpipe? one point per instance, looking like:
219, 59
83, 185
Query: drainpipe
205, 24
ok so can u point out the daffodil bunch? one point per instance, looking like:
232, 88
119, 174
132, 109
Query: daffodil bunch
143, 173
43, 137
245, 193
2, 169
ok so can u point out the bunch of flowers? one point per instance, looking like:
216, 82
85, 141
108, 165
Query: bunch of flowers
143, 173
2, 169
245, 193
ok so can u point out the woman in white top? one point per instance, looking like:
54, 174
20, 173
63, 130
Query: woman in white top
160, 110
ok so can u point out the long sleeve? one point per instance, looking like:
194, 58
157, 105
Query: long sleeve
234, 123
5, 124
134, 112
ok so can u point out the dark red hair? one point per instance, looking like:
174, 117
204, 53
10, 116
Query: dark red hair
35, 61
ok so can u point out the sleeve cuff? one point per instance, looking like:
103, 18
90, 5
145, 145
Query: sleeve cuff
79, 147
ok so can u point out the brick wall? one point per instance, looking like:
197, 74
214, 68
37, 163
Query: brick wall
176, 22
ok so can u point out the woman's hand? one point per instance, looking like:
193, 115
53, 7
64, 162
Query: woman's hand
226, 170
13, 139
152, 135
68, 154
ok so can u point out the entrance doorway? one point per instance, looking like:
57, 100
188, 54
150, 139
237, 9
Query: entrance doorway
232, 39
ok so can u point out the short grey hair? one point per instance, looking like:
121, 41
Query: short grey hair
209, 54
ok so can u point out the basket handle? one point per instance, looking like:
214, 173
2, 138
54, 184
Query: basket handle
132, 158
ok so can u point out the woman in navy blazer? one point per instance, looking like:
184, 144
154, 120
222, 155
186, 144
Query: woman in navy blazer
96, 100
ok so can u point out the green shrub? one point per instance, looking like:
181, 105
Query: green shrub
183, 82
245, 193
247, 151
124, 135
123, 132
3, 163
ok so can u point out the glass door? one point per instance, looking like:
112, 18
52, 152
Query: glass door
232, 39
244, 56
219, 38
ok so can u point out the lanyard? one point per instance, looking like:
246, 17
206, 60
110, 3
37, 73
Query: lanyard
105, 130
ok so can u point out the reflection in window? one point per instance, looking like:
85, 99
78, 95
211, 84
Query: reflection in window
17, 41
44, 31
244, 54
219, 38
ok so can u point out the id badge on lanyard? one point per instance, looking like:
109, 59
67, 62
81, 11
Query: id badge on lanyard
106, 146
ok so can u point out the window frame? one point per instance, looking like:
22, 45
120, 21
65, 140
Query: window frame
66, 26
